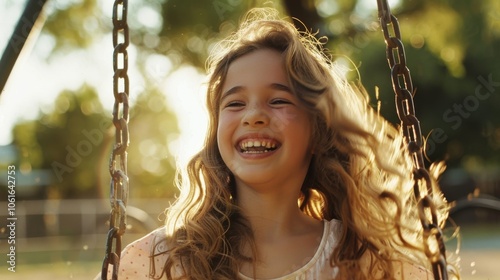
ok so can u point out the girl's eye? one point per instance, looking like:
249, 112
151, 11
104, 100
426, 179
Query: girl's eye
234, 104
280, 102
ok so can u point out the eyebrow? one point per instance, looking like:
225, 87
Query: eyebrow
280, 87
275, 86
231, 91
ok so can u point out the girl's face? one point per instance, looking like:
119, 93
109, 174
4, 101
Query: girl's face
264, 132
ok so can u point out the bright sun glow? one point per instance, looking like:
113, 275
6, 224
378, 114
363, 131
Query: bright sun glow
186, 95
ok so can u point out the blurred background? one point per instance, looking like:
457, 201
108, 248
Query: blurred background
55, 112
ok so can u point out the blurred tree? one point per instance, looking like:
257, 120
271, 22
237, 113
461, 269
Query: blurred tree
73, 140
450, 47
30, 153
151, 165
75, 24
68, 140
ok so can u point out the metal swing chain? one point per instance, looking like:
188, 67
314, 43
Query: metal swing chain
118, 160
403, 88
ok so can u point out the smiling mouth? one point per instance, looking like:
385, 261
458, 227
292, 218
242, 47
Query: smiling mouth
252, 146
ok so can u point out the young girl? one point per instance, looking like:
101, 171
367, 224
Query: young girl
299, 178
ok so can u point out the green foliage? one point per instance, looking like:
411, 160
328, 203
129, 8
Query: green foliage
450, 50
74, 140
74, 24
151, 165
58, 142
190, 29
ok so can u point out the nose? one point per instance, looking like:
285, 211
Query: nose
256, 116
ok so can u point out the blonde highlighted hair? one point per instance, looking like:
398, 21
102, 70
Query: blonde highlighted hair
360, 172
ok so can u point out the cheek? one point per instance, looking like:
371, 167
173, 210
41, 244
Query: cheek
220, 133
223, 131
289, 118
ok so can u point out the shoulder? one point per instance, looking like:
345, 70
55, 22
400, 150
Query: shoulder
136, 257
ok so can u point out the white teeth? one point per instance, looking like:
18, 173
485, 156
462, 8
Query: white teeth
244, 145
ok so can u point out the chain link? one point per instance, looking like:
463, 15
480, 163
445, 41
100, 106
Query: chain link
403, 89
118, 161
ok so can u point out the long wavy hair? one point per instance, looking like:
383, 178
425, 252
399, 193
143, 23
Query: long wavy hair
360, 172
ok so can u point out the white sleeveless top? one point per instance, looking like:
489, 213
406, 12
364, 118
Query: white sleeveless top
135, 258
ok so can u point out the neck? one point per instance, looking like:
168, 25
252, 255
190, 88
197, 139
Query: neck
273, 215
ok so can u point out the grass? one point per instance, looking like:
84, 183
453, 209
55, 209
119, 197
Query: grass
55, 270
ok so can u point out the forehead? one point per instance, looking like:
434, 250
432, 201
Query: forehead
259, 66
